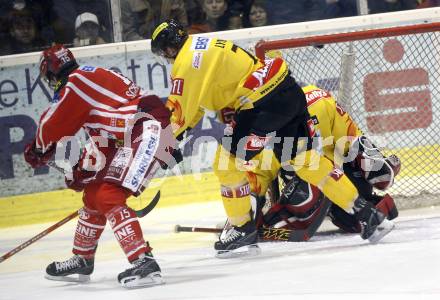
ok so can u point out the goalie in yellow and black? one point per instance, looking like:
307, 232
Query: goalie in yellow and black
270, 111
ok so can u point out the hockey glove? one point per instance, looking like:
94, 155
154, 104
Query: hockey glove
79, 179
35, 157
177, 158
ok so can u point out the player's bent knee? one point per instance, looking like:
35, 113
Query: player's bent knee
110, 195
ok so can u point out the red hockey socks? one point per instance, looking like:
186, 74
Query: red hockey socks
127, 231
88, 230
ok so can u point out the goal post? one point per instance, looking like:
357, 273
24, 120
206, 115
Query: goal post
388, 79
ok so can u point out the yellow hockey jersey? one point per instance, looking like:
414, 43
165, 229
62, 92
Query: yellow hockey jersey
213, 74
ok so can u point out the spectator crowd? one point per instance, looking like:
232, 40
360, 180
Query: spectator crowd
28, 25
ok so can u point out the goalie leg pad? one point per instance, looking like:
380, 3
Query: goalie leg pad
387, 206
349, 223
298, 205
377, 169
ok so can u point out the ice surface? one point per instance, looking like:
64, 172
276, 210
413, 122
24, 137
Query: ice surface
405, 265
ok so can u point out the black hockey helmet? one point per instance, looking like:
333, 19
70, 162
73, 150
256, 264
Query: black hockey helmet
169, 34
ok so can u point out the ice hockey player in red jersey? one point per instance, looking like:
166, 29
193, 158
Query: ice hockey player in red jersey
129, 138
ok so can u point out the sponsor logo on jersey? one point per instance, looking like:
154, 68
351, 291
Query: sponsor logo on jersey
200, 43
177, 118
197, 60
143, 158
255, 142
314, 95
262, 75
119, 163
87, 69
177, 88
336, 174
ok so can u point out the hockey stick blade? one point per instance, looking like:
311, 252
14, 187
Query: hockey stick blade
147, 209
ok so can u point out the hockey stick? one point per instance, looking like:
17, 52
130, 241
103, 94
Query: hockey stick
146, 210
38, 236
264, 233
179, 228
274, 234
139, 213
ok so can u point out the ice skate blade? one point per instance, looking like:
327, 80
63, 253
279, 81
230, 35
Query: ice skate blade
133, 282
382, 230
250, 250
80, 279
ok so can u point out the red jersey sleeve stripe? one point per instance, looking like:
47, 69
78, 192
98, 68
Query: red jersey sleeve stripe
99, 88
88, 99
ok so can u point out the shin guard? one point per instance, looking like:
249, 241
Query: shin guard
127, 231
88, 231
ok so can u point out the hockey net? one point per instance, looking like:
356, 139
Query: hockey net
388, 80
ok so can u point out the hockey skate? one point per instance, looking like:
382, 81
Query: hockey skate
145, 272
76, 265
374, 225
238, 241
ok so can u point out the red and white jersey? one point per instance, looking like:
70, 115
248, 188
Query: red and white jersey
99, 100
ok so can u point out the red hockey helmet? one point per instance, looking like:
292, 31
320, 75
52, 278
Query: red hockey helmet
56, 63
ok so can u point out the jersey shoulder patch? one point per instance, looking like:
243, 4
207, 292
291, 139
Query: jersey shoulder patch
200, 43
87, 68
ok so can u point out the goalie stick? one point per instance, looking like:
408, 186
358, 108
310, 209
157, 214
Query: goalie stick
274, 234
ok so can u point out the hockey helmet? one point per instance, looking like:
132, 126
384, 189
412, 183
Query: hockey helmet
56, 63
169, 34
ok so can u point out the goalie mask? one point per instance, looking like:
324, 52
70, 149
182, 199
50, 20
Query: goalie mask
56, 63
168, 35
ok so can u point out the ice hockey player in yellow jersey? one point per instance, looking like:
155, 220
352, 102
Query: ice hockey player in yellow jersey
270, 111
339, 139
